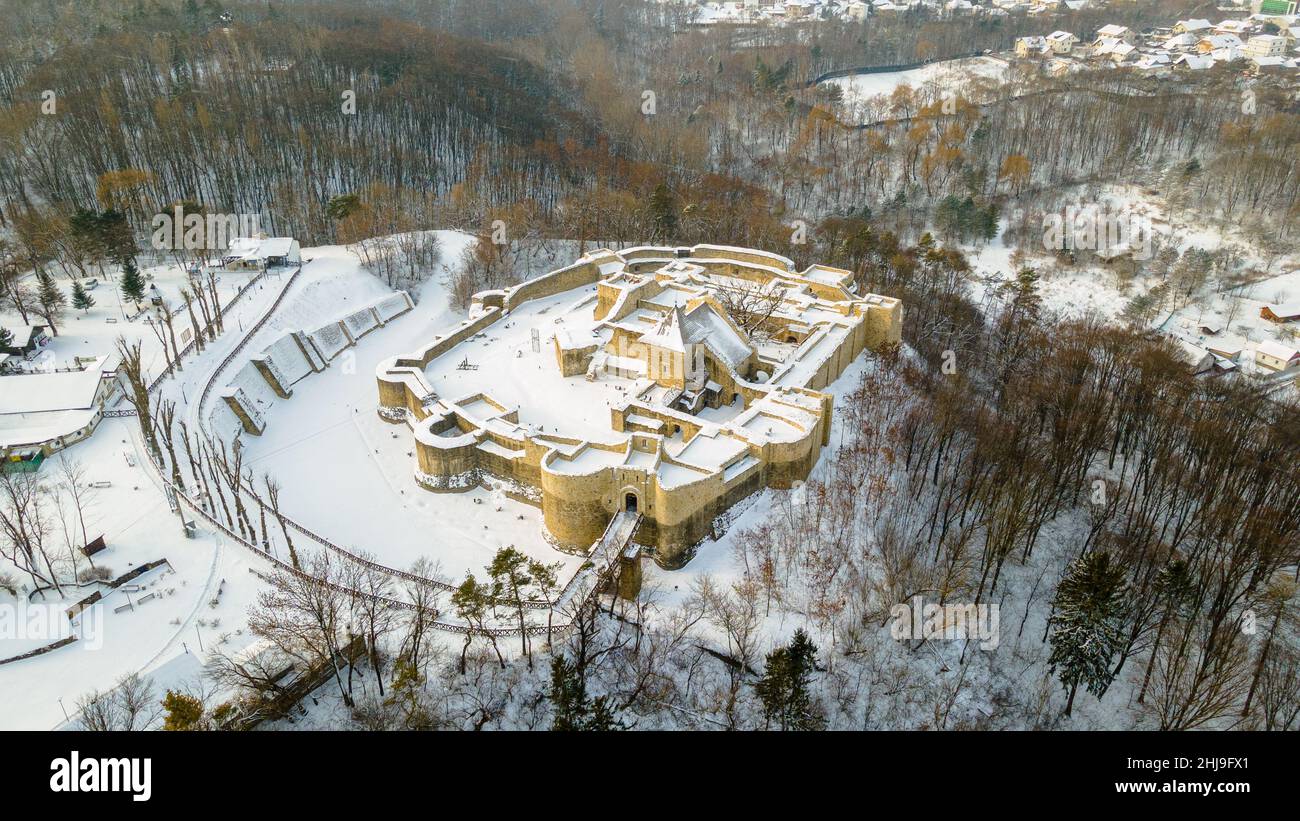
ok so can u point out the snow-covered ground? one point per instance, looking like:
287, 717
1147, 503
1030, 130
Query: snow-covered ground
345, 474
505, 367
948, 78
1090, 288
163, 633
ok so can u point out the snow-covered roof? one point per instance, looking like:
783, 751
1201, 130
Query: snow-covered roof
251, 248
1196, 62
667, 332
45, 392
1277, 350
1234, 26
1194, 25
703, 324
1157, 60
1286, 309
1113, 47
1192, 353
1214, 41
22, 335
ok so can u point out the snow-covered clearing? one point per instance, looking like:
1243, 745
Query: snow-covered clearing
936, 80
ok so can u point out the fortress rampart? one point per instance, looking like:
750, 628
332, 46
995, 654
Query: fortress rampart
647, 395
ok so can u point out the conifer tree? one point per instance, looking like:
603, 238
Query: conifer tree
786, 686
663, 212
81, 298
132, 282
182, 712
573, 709
6, 337
1087, 616
51, 298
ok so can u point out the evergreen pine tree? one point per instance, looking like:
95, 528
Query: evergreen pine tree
987, 228
6, 337
115, 237
81, 298
132, 282
663, 211
52, 299
182, 712
785, 688
1087, 616
573, 709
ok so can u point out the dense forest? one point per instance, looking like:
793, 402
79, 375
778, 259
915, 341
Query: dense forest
459, 109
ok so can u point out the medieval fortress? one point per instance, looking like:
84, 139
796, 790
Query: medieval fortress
668, 383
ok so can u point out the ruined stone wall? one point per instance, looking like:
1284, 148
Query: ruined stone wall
884, 323
401, 379
565, 279
577, 508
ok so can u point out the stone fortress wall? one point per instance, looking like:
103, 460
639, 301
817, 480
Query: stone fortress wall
580, 485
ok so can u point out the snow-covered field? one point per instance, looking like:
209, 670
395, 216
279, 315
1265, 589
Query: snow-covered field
936, 80
346, 474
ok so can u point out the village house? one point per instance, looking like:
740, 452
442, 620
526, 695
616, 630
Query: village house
1031, 47
1225, 350
1215, 42
1275, 356
1062, 42
1194, 62
41, 413
1286, 312
798, 8
261, 253
1197, 359
1157, 63
1114, 50
1114, 32
27, 341
1265, 45
1060, 67
1237, 27
1191, 26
